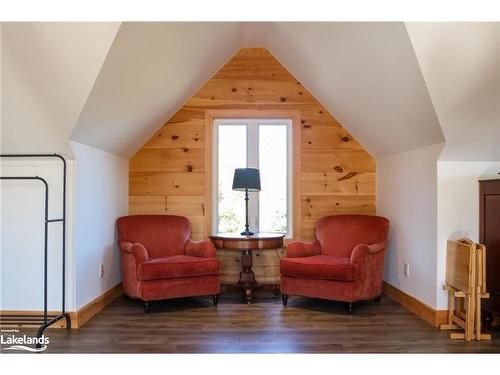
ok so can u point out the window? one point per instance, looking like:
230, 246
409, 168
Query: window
253, 143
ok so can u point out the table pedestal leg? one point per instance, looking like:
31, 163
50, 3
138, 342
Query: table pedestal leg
247, 277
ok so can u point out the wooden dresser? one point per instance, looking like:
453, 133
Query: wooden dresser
489, 234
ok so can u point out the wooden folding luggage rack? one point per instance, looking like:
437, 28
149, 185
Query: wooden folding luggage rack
466, 286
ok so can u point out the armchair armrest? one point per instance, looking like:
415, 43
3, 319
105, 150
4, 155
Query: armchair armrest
299, 249
362, 250
201, 249
136, 249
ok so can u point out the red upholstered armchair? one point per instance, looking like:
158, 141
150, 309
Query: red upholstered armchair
345, 263
159, 261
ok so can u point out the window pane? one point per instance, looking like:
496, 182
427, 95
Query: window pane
273, 174
232, 149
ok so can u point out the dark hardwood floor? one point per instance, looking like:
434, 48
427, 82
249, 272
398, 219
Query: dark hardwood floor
194, 325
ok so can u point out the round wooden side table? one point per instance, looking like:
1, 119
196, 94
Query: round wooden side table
245, 244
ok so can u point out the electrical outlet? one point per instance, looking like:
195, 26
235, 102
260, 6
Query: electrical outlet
406, 269
101, 271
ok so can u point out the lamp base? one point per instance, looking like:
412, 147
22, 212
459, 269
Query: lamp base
247, 233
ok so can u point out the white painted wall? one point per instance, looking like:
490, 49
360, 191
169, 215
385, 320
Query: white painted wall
428, 201
407, 196
22, 234
458, 208
101, 197
97, 195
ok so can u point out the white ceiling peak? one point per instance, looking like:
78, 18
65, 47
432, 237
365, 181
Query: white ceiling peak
255, 34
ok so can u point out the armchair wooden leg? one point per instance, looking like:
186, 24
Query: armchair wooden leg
349, 308
215, 299
284, 297
146, 307
276, 291
377, 299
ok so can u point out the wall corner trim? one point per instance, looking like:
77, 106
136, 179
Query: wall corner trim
419, 308
78, 318
95, 306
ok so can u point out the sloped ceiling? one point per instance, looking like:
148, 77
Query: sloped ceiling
461, 66
150, 71
57, 63
366, 75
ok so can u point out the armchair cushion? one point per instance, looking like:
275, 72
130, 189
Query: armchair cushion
177, 266
319, 267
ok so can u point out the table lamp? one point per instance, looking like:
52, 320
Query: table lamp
246, 179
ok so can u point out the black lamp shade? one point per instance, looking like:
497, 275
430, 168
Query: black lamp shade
246, 178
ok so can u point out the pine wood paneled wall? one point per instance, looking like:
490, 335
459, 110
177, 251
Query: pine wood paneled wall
167, 173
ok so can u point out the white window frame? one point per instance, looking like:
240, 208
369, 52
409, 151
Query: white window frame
252, 132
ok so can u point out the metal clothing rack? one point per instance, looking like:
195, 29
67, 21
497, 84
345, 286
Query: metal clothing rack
45, 320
